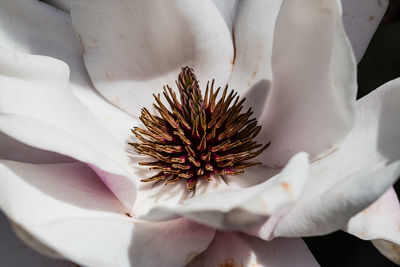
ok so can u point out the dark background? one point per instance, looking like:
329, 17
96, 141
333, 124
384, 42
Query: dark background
381, 63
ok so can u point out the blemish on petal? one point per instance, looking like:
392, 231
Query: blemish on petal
286, 186
128, 214
121, 36
110, 75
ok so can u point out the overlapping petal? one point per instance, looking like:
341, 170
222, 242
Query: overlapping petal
235, 249
311, 104
228, 10
128, 58
66, 207
48, 31
253, 35
38, 108
365, 165
13, 149
241, 208
380, 222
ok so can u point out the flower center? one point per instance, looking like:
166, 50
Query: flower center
197, 137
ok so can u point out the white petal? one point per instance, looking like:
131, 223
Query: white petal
241, 208
311, 103
15, 253
253, 32
352, 176
380, 221
47, 31
361, 18
68, 209
38, 108
133, 48
228, 10
235, 249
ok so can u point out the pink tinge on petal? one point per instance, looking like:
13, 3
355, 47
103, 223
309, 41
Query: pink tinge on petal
121, 186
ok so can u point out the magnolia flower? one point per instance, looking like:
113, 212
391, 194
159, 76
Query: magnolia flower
70, 183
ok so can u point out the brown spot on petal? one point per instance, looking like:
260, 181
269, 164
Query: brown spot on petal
121, 36
128, 215
110, 75
286, 186
371, 18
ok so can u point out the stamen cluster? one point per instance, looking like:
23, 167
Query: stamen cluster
197, 137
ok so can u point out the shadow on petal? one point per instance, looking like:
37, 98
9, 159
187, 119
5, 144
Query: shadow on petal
171, 243
389, 124
52, 184
256, 97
